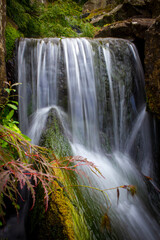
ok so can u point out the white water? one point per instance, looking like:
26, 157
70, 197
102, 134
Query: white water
108, 123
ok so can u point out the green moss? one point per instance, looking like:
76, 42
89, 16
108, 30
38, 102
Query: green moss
56, 222
98, 12
53, 136
11, 34
63, 219
57, 142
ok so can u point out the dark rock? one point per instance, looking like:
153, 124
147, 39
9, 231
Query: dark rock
128, 29
154, 6
152, 67
85, 15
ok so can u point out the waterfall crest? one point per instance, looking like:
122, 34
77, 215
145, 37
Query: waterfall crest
100, 85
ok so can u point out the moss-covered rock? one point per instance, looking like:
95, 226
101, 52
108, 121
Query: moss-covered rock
53, 136
55, 223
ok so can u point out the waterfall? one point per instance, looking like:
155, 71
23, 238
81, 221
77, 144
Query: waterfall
99, 84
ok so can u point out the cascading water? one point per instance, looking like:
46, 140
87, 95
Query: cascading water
102, 82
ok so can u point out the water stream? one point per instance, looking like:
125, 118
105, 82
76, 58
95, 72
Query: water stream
99, 85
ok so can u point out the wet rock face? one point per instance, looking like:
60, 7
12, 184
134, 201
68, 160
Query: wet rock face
152, 67
2, 48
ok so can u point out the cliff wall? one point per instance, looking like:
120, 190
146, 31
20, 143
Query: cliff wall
2, 49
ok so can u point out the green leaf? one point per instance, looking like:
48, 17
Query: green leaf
12, 106
16, 129
10, 115
26, 137
7, 90
15, 122
1, 224
15, 102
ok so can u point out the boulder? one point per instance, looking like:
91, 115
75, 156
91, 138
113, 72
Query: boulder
129, 9
152, 67
93, 4
128, 29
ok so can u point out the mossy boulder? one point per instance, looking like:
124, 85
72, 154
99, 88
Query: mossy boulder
55, 223
53, 136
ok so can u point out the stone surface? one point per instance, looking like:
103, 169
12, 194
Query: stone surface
128, 9
152, 67
93, 4
2, 49
130, 29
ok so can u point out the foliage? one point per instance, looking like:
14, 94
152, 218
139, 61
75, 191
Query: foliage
87, 30
25, 15
59, 18
22, 163
11, 34
64, 19
8, 108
